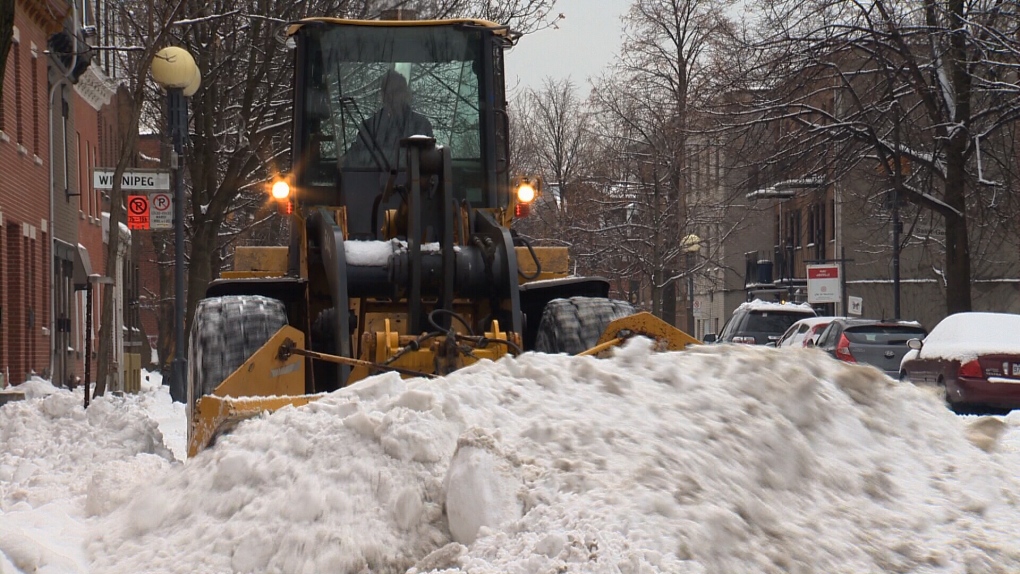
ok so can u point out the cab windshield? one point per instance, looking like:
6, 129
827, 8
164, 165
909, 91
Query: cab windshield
348, 121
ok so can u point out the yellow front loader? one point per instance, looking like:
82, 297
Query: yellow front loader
401, 257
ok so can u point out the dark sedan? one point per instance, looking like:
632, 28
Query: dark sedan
973, 359
881, 343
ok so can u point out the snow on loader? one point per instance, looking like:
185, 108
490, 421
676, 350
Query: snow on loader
401, 256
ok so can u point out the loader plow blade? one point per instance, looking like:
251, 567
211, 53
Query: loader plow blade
666, 336
265, 382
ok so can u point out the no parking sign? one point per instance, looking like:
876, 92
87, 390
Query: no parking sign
161, 215
138, 211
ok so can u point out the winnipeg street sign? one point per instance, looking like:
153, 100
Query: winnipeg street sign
133, 179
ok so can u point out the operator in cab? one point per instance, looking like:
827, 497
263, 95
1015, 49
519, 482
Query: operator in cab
377, 145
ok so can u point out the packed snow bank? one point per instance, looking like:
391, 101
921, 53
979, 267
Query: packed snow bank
717, 459
60, 462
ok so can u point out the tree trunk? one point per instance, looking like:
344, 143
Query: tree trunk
105, 366
957, 248
656, 293
669, 300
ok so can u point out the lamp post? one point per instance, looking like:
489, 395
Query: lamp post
690, 245
175, 70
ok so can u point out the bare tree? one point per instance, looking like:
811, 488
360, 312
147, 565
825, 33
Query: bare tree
650, 105
923, 91
140, 31
552, 137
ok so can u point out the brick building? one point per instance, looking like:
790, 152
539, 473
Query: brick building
24, 197
59, 119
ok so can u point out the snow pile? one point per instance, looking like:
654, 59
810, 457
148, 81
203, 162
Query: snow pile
35, 472
717, 459
61, 462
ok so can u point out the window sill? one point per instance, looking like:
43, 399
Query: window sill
22, 150
4, 137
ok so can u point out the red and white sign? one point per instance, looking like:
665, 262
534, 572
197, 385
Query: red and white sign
823, 283
161, 214
138, 211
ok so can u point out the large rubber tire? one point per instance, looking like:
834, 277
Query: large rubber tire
574, 325
225, 333
324, 341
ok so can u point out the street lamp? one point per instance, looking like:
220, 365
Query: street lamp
690, 245
175, 70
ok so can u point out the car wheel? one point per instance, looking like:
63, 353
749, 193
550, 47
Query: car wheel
904, 378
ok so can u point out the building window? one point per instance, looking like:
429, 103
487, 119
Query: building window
82, 198
93, 192
15, 54
832, 218
36, 101
811, 226
3, 119
793, 233
820, 220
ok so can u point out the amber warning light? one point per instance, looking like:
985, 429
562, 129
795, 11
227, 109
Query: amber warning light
280, 190
527, 189
281, 193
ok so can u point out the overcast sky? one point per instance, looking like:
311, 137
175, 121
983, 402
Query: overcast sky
586, 41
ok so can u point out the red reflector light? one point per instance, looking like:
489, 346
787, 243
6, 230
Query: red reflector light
843, 350
522, 209
970, 369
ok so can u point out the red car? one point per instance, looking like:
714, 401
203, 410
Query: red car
973, 359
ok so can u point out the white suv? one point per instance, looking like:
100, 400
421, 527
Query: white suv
761, 322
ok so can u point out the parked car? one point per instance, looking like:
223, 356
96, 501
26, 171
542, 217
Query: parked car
973, 359
803, 333
760, 322
876, 342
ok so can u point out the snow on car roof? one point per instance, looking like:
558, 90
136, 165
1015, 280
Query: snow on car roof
759, 305
964, 336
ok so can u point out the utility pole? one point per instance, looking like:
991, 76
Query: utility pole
897, 226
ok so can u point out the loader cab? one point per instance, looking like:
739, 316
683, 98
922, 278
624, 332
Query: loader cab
453, 70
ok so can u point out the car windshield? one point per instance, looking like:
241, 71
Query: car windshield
883, 334
771, 321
